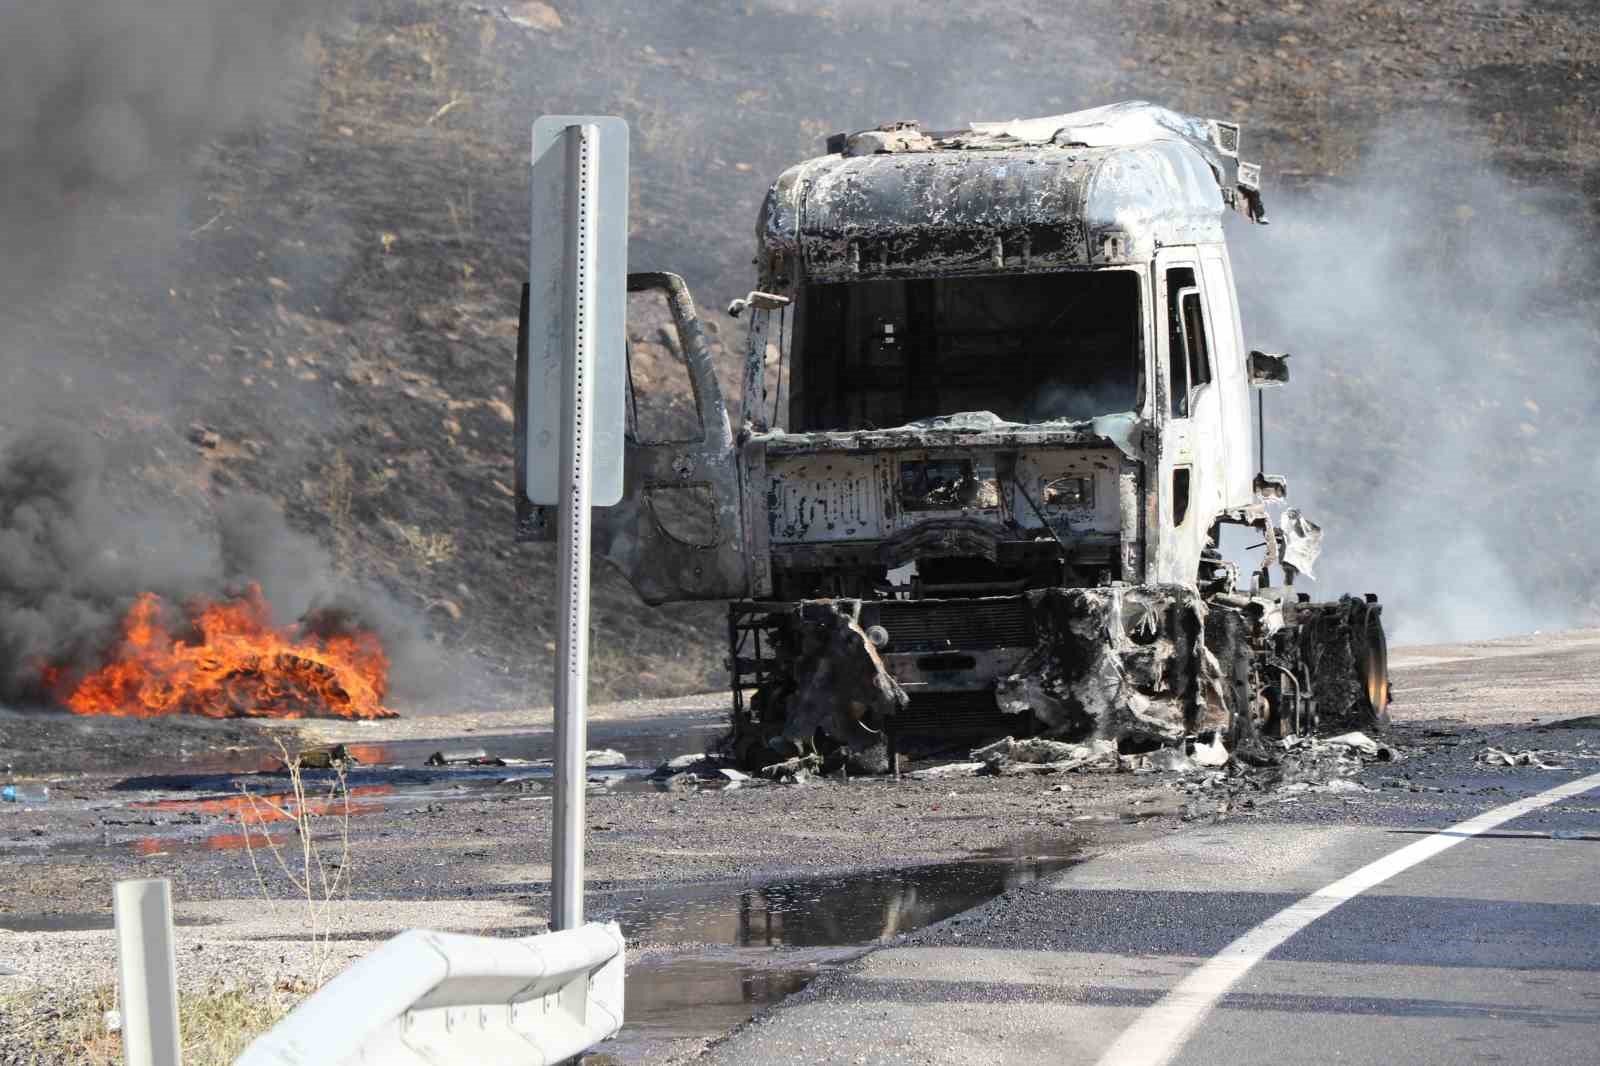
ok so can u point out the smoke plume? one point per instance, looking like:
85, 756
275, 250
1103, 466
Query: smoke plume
1440, 419
107, 99
72, 563
108, 105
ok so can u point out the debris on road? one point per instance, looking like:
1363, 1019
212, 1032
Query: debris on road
1035, 755
800, 770
949, 769
475, 757
1165, 760
1492, 756
1337, 784
694, 764
1210, 755
1363, 744
331, 757
681, 763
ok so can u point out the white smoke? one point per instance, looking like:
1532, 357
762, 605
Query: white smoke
1439, 422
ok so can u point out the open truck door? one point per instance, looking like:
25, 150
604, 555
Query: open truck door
676, 533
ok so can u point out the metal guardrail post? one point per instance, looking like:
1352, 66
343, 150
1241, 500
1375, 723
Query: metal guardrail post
147, 973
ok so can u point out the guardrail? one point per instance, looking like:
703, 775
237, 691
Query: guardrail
439, 999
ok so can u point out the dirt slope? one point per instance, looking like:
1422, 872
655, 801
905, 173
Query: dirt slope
337, 299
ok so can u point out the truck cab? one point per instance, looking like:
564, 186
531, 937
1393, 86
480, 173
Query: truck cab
996, 402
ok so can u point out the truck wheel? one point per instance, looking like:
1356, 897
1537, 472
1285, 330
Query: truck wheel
1373, 663
1347, 657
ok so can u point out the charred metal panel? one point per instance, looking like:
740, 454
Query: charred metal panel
756, 528
944, 502
1233, 375
1127, 664
1005, 197
1076, 490
909, 215
824, 498
970, 431
1150, 197
1131, 517
666, 550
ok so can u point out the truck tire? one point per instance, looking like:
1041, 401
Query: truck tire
1344, 647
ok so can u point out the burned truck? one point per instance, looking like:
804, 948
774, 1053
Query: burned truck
996, 411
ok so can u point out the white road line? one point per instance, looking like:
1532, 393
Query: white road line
1158, 1034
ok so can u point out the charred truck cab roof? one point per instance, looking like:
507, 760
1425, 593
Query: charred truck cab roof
1097, 188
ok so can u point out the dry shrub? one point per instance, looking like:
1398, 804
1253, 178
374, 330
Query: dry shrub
317, 880
426, 548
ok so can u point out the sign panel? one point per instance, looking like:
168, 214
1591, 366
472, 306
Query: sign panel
577, 279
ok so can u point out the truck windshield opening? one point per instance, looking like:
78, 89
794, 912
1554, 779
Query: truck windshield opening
1029, 348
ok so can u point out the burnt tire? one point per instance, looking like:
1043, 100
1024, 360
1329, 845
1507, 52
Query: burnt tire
1344, 647
1372, 664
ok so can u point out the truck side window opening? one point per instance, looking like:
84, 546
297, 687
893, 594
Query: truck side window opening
1194, 335
660, 404
1029, 348
1181, 341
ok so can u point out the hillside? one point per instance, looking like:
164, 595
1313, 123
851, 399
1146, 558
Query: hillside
319, 303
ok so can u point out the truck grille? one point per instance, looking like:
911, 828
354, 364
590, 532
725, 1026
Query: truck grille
967, 713
938, 625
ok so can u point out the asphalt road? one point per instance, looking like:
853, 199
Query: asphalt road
1486, 949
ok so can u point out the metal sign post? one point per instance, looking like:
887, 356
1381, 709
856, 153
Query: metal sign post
576, 382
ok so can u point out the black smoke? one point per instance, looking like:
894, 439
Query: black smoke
73, 560
107, 106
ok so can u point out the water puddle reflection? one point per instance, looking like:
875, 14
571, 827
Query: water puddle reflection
821, 911
740, 948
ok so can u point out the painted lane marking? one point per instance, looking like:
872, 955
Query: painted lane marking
1159, 1033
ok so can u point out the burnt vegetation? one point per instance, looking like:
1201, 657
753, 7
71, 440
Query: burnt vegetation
316, 301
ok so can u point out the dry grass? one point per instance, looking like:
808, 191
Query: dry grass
338, 494
40, 1027
316, 879
428, 549
217, 1025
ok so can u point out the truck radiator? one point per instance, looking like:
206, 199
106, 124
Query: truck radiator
940, 625
972, 712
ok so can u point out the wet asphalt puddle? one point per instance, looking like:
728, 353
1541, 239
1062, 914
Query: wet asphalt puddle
250, 789
708, 957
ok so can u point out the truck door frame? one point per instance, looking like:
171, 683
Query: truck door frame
662, 565
1190, 457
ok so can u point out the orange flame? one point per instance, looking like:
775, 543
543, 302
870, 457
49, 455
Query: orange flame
276, 807
241, 666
